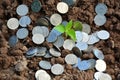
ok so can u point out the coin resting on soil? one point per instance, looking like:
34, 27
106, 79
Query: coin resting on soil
13, 40
45, 64
98, 53
54, 52
36, 6
59, 42
70, 2
86, 28
24, 21
38, 38
68, 44
79, 36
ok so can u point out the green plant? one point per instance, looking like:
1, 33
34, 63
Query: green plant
69, 29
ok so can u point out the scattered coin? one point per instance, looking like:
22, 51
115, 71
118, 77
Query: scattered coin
86, 28
31, 52
71, 59
36, 6
68, 44
92, 63
56, 32
76, 65
83, 65
101, 9
13, 23
64, 23
45, 31
43, 22
79, 36
55, 19
69, 2
41, 51
42, 75
22, 10
57, 69
38, 38
13, 40
103, 34
47, 55
45, 64
62, 7
85, 37
98, 53
22, 33
100, 65
54, 52
100, 20
82, 45
24, 21
59, 42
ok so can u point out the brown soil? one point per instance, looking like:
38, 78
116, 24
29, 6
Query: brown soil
15, 66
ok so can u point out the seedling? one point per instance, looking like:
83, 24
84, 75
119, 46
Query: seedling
69, 29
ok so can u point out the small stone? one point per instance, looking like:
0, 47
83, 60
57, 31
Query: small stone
98, 53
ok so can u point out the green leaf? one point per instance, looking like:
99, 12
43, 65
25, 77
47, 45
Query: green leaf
77, 25
72, 35
60, 28
69, 25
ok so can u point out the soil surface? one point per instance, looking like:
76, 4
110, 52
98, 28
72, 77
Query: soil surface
15, 66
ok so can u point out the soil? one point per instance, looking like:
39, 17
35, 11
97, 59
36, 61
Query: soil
15, 66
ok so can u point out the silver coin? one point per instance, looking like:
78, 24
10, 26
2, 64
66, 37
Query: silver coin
70, 2
103, 34
13, 40
83, 65
101, 9
22, 33
45, 31
76, 65
38, 38
59, 42
55, 19
79, 36
100, 20
45, 64
68, 44
47, 55
57, 69
71, 59
100, 65
24, 21
13, 23
32, 51
82, 45
22, 10
62, 7
41, 51
98, 53
86, 28
85, 37
92, 63
54, 52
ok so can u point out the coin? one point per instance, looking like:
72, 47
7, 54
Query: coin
24, 21
22, 33
82, 45
79, 36
85, 37
64, 23
101, 9
100, 20
69, 2
57, 69
92, 63
100, 65
22, 10
86, 28
68, 44
13, 23
55, 19
54, 52
56, 32
98, 53
38, 38
71, 59
59, 42
31, 52
76, 65
62, 7
103, 34
13, 40
36, 6
47, 55
83, 65
41, 51
45, 64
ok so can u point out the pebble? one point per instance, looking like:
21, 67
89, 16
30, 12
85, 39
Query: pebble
71, 59
45, 64
69, 42
24, 21
22, 10
54, 52
59, 42
79, 36
38, 38
57, 69
13, 40
42, 75
62, 7
103, 34
101, 9
100, 20
85, 37
55, 19
100, 65
86, 28
82, 45
36, 6
13, 23
98, 53
22, 33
